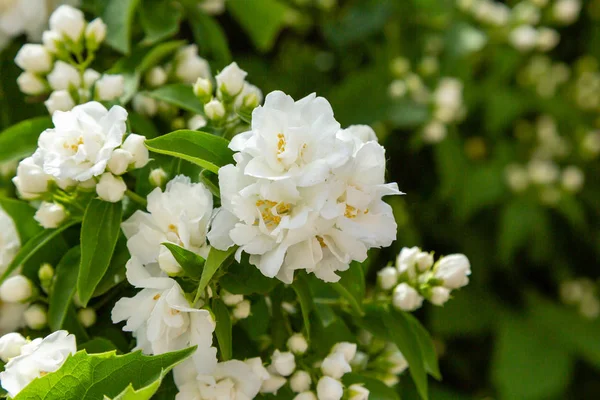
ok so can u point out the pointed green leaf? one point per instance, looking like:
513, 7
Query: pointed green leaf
216, 259
160, 19
427, 347
302, 290
352, 286
180, 95
192, 263
63, 289
244, 278
118, 16
20, 140
271, 14
223, 328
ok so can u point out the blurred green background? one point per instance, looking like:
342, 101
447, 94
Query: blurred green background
489, 114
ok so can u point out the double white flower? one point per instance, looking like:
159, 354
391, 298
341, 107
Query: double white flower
303, 193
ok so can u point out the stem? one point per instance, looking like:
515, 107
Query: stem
137, 198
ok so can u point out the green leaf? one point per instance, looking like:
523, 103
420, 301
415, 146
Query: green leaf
63, 289
377, 389
180, 95
160, 19
208, 34
93, 376
223, 328
33, 246
351, 286
302, 290
262, 20
216, 258
20, 140
520, 221
118, 16
22, 215
427, 347
116, 271
192, 263
244, 278
201, 148
99, 234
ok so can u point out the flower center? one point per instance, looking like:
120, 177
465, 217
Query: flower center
156, 296
272, 211
321, 241
280, 144
73, 146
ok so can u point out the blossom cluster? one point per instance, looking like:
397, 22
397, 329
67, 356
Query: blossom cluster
378, 359
581, 293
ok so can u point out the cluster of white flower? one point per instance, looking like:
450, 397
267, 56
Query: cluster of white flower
583, 294
27, 360
333, 368
378, 359
304, 194
59, 66
240, 306
544, 75
416, 277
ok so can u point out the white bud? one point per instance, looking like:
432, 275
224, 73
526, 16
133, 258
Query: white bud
434, 132
335, 365
453, 270
167, 262
50, 215
242, 310
46, 272
542, 172
189, 66
87, 317
63, 76
31, 84
16, 289
50, 40
95, 32
308, 395
566, 11
230, 80
214, 109
358, 392
31, 179
59, 100
34, 58
203, 88
90, 76
110, 87
272, 384
119, 161
196, 122
10, 345
591, 143
284, 363
231, 299
523, 38
360, 360
397, 362
406, 298
397, 89
135, 145
144, 105
439, 295
157, 177
329, 389
547, 39
572, 179
36, 316
424, 261
156, 76
111, 188
300, 381
297, 344
387, 278
346, 348
516, 177
68, 21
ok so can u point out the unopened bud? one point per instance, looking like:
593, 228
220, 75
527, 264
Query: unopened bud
50, 215
16, 289
242, 310
157, 177
214, 110
36, 316
203, 89
87, 317
111, 188
297, 344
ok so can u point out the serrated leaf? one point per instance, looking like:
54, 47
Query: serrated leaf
192, 263
216, 259
201, 148
99, 233
22, 214
20, 140
270, 13
118, 16
180, 95
63, 289
302, 290
223, 328
94, 376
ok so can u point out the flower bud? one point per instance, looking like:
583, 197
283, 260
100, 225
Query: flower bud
157, 177
566, 11
167, 262
346, 348
439, 295
189, 66
110, 87
34, 58
36, 316
524, 38
156, 76
203, 89
335, 365
387, 278
242, 310
119, 161
90, 76
111, 188
31, 179
178, 123
397, 362
59, 100
95, 33
547, 39
50, 40
31, 84
231, 299
572, 179
46, 272
50, 215
284, 363
63, 76
68, 21
358, 392
144, 105
10, 345
434, 132
424, 261
297, 344
196, 122
16, 289
308, 395
230, 80
272, 384
397, 89
360, 360
87, 317
453, 270
406, 298
329, 389
516, 177
300, 381
214, 109
135, 145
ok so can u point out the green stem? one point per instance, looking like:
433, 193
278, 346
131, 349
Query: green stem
137, 198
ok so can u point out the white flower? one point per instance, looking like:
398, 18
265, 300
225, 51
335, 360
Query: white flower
144, 105
50, 40
329, 389
524, 38
10, 345
242, 310
134, 144
95, 32
16, 289
189, 66
387, 278
9, 241
231, 79
179, 215
453, 270
34, 58
110, 87
36, 316
283, 362
231, 299
31, 84
346, 348
308, 395
423, 261
547, 39
572, 179
434, 132
396, 360
50, 215
156, 76
300, 381
406, 298
119, 161
19, 17
37, 358
358, 392
439, 295
68, 21
566, 11
111, 188
59, 100
516, 177
64, 76
90, 76
82, 141
272, 384
297, 344
335, 365
196, 122
31, 180
214, 109
250, 97
406, 260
